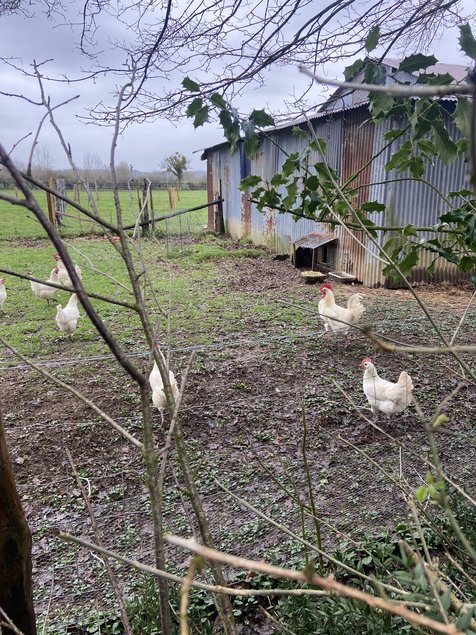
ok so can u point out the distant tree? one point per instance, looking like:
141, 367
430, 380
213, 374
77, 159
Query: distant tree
176, 163
123, 172
43, 162
93, 167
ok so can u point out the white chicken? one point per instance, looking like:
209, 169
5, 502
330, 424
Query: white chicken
385, 396
345, 316
63, 275
3, 293
67, 318
43, 290
155, 380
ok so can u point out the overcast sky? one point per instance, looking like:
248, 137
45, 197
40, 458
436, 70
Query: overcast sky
145, 145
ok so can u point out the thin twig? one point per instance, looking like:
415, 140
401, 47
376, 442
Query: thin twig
328, 584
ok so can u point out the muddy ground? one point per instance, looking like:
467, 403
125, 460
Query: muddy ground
242, 415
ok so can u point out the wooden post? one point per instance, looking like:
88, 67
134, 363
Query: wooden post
219, 220
152, 213
50, 199
145, 215
16, 597
172, 198
77, 192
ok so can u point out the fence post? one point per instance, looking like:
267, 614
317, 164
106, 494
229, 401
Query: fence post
152, 213
219, 220
145, 215
50, 199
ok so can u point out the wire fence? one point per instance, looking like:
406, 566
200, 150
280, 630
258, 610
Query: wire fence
17, 222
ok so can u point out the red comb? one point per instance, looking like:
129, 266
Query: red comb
325, 285
366, 359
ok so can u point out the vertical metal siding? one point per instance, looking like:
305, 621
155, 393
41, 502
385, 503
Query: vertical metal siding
413, 202
352, 140
357, 151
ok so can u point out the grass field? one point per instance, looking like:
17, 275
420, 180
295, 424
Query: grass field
16, 222
30, 320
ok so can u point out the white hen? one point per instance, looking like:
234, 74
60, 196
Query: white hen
63, 275
44, 291
383, 395
345, 316
155, 380
67, 318
3, 293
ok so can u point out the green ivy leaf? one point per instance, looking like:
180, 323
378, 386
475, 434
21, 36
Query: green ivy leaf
251, 144
407, 264
190, 85
445, 146
261, 118
201, 117
461, 116
416, 167
470, 232
319, 145
218, 101
380, 104
194, 107
432, 79
399, 160
467, 263
393, 134
375, 73
351, 71
373, 206
426, 147
409, 230
435, 245
250, 181
369, 225
416, 62
467, 41
299, 132
372, 38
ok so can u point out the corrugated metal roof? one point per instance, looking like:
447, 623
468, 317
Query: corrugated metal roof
459, 71
313, 240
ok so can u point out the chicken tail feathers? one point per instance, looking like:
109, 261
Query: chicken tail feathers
354, 304
405, 380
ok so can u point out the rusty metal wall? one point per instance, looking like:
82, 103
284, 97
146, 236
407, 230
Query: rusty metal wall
352, 141
277, 230
357, 151
415, 202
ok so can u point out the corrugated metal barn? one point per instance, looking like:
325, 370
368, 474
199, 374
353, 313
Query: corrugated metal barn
353, 139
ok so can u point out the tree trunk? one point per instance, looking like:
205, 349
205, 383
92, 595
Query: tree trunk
16, 598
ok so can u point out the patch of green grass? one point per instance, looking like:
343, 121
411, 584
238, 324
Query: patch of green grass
17, 222
198, 317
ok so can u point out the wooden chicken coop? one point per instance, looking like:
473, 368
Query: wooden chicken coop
315, 252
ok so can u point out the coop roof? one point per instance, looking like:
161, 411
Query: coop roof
314, 240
